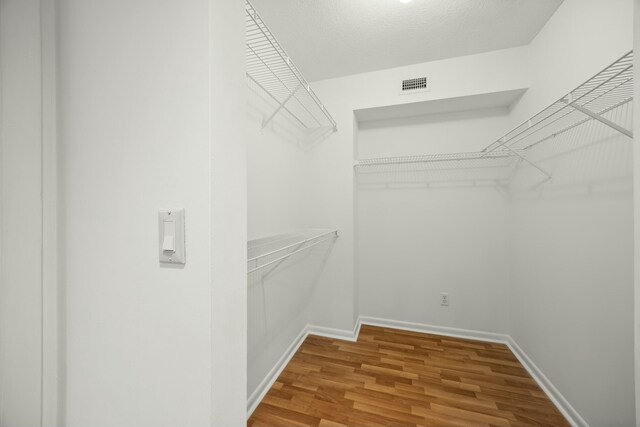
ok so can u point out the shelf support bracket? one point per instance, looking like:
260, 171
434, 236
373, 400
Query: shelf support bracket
277, 264
601, 119
293, 249
280, 107
529, 162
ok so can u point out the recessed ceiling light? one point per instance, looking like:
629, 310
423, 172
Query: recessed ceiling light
404, 1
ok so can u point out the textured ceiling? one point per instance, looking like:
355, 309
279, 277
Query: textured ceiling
332, 38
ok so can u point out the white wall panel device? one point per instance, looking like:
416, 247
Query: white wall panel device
171, 236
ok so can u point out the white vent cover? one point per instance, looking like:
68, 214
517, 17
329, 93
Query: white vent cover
416, 84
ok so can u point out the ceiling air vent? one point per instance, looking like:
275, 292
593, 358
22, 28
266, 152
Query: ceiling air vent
418, 84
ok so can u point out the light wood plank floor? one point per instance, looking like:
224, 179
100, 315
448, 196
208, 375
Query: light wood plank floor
398, 378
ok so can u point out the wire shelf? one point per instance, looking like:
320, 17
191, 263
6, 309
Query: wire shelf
463, 159
451, 169
274, 250
603, 99
606, 91
269, 67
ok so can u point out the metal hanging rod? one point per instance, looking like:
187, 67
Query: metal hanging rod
279, 248
269, 66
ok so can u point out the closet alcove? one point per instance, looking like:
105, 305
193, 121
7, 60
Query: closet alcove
508, 191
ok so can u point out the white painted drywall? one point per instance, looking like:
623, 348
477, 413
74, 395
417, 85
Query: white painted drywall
564, 54
417, 241
52, 312
454, 132
636, 199
336, 298
567, 51
572, 269
573, 252
277, 169
150, 117
277, 189
279, 296
20, 214
228, 207
279, 192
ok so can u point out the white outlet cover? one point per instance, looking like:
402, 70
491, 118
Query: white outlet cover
444, 298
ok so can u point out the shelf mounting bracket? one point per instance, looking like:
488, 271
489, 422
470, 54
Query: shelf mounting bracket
280, 107
601, 119
529, 162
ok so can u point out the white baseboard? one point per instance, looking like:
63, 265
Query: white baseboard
340, 334
435, 330
258, 394
545, 384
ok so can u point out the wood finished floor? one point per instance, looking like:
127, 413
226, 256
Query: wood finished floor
391, 377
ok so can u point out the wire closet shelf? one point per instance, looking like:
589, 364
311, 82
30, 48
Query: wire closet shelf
609, 89
591, 101
273, 71
437, 160
275, 250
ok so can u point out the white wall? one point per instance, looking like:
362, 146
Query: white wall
565, 53
573, 252
279, 296
278, 203
150, 117
336, 299
135, 104
20, 214
52, 311
452, 132
277, 169
228, 215
572, 257
298, 182
636, 199
422, 232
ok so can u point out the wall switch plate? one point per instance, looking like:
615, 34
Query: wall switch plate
171, 245
444, 298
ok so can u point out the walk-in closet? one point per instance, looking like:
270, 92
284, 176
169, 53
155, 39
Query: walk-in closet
320, 213
441, 243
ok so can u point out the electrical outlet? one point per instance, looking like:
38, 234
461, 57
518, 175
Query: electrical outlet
444, 298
